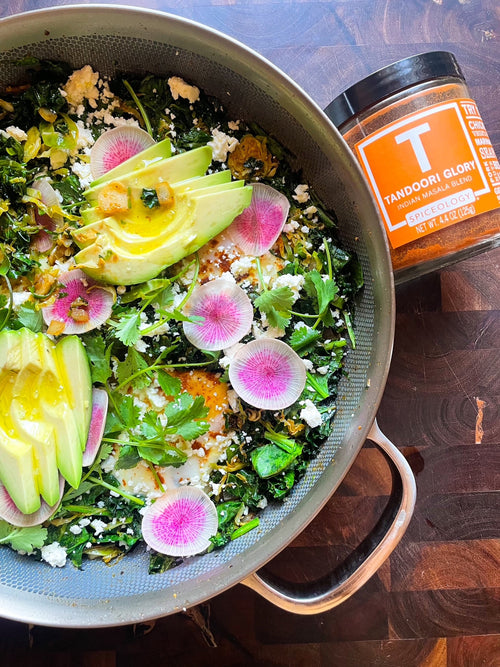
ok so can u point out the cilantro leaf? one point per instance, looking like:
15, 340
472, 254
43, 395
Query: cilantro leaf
127, 327
22, 539
29, 317
324, 291
158, 290
132, 365
99, 358
149, 198
128, 458
184, 416
124, 417
171, 385
304, 339
276, 304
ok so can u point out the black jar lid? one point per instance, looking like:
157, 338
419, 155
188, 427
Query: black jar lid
390, 80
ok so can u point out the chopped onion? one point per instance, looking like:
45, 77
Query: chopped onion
10, 513
227, 313
82, 306
181, 522
267, 374
117, 145
256, 229
97, 424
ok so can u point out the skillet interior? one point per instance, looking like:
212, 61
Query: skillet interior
251, 88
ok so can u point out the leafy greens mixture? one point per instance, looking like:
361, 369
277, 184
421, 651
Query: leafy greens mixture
174, 418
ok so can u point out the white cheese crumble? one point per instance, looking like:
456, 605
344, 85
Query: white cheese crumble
295, 283
179, 88
82, 170
301, 193
310, 414
242, 266
291, 226
82, 85
54, 554
14, 132
221, 145
98, 526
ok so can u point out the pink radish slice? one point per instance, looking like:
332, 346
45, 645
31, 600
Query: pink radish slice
97, 424
227, 313
117, 145
10, 513
43, 241
181, 522
257, 228
84, 305
267, 374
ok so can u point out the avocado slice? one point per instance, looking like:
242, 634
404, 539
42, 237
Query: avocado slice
74, 370
94, 213
17, 465
119, 258
155, 153
55, 410
45, 407
156, 225
176, 168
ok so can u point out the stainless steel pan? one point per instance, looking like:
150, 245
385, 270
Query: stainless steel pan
252, 88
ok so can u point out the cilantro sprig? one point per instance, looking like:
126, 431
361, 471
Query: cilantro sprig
22, 539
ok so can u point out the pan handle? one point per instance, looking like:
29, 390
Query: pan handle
361, 565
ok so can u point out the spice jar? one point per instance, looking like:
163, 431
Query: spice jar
427, 157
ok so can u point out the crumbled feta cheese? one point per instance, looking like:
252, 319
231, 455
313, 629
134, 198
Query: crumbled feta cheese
310, 211
290, 226
179, 88
301, 193
54, 554
18, 298
82, 170
75, 529
242, 266
85, 136
221, 145
310, 414
308, 364
295, 283
98, 526
81, 86
14, 132
141, 345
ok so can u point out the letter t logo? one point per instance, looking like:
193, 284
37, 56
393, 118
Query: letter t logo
413, 136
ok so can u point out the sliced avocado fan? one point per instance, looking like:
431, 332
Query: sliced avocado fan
150, 218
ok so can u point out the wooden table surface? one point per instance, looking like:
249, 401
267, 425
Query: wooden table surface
435, 602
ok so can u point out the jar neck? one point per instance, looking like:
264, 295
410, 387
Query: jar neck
409, 99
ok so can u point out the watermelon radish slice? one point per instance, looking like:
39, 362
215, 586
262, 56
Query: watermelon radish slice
117, 145
42, 240
256, 229
181, 522
97, 424
267, 374
227, 313
81, 305
10, 513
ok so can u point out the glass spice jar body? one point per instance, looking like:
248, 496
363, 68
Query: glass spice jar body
428, 159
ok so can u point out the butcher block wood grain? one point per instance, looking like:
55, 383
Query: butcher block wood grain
435, 602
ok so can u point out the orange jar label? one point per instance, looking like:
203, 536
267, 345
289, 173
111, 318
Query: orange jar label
431, 169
